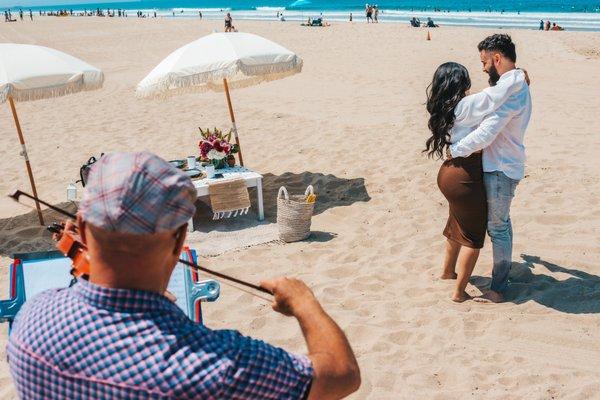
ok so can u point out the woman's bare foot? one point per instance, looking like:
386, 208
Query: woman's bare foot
448, 275
460, 297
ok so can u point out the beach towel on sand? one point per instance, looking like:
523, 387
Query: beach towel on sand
229, 198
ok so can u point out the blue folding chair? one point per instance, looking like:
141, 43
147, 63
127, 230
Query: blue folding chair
32, 273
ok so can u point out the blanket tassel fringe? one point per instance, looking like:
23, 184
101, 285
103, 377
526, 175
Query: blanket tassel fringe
230, 214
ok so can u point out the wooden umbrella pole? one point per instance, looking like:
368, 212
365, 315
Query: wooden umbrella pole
235, 132
24, 154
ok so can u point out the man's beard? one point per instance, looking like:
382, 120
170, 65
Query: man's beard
494, 75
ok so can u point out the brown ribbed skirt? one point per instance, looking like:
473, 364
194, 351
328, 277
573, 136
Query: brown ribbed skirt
461, 182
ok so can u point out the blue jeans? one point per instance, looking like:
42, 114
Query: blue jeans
500, 190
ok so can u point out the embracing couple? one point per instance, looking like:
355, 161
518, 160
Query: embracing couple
481, 137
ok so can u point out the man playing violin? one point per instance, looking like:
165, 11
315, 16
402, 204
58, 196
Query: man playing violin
117, 336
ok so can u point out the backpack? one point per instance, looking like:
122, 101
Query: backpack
85, 169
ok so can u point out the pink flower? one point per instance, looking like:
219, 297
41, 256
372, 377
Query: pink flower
205, 147
217, 145
214, 142
226, 147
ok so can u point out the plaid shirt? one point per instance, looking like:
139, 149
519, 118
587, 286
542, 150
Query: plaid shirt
93, 342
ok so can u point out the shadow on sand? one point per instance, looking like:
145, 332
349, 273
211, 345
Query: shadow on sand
331, 192
575, 292
23, 233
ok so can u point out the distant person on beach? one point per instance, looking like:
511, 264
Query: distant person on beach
431, 24
21, 14
493, 121
200, 14
541, 24
415, 23
547, 26
30, 15
556, 27
119, 335
228, 23
350, 17
369, 12
376, 14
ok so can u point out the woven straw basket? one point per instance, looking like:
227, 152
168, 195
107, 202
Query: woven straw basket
294, 215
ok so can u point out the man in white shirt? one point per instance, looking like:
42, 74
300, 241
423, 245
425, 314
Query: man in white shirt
500, 135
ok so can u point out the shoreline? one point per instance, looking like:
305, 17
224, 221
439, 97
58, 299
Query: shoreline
571, 21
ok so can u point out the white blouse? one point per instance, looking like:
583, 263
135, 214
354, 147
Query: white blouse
472, 109
495, 120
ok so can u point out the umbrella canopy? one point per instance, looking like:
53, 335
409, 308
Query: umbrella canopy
243, 59
217, 62
29, 72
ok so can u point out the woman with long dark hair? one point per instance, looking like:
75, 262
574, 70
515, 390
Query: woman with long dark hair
455, 114
459, 179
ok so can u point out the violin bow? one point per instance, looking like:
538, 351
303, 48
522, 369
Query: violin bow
16, 195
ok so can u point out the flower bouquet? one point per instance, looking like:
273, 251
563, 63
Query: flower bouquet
215, 147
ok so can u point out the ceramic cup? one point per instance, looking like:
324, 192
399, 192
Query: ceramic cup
210, 171
191, 162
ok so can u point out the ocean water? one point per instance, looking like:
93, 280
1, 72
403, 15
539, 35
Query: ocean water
570, 14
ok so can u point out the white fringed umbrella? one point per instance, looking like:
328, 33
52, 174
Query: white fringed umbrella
218, 62
30, 72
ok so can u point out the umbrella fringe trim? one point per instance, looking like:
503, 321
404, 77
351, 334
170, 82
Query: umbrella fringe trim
251, 75
48, 92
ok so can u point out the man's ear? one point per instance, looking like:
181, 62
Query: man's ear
81, 229
180, 236
497, 59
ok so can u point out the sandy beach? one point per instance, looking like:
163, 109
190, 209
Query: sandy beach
353, 124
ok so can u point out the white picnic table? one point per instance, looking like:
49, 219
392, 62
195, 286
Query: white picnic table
252, 178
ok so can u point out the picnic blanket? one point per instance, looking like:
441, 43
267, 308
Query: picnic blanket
229, 198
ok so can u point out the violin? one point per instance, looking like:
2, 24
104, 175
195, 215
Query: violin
69, 243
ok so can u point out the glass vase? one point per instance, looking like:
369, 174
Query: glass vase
219, 164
